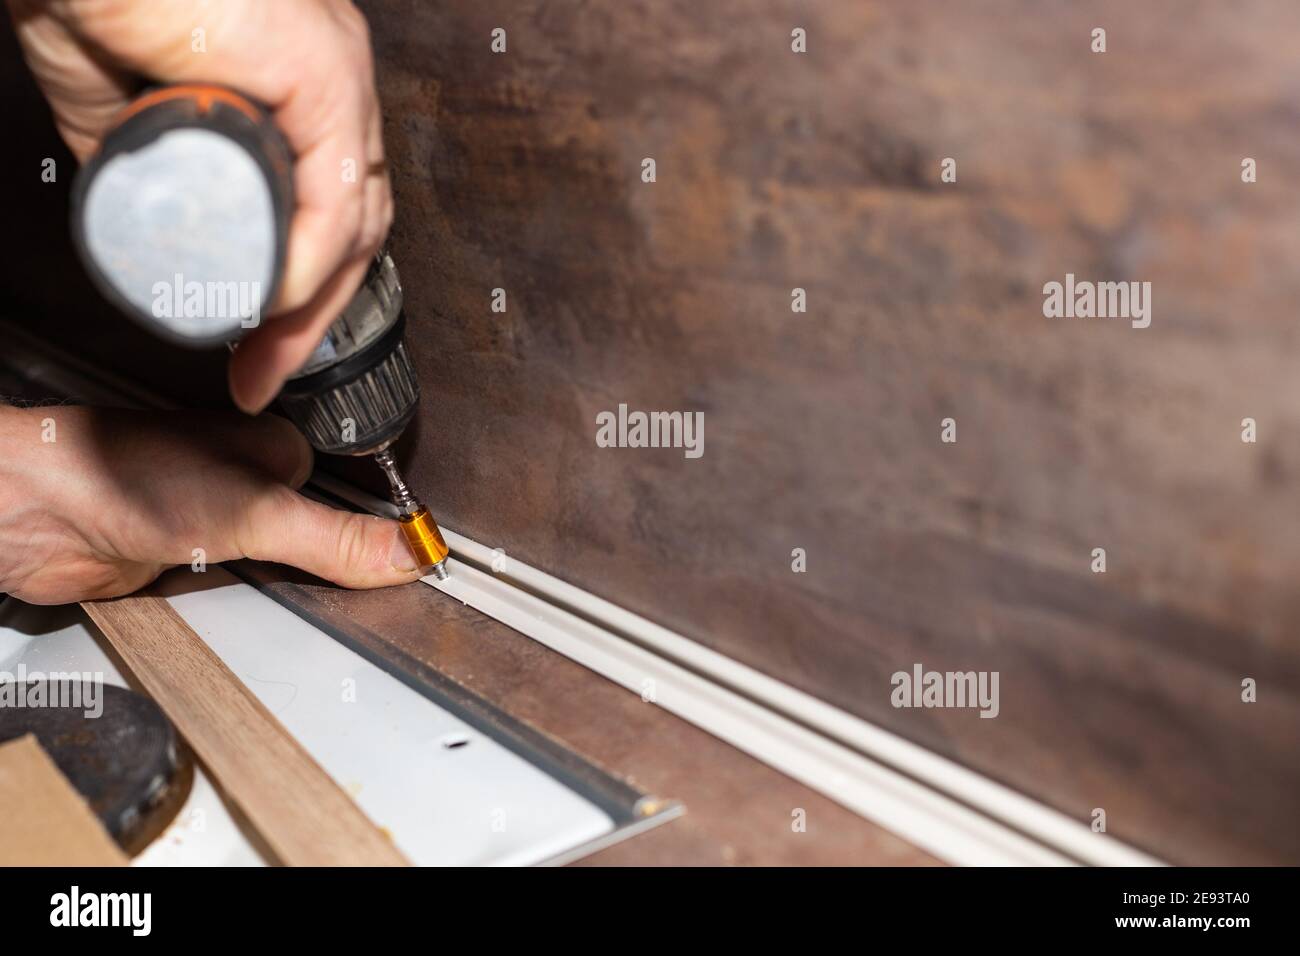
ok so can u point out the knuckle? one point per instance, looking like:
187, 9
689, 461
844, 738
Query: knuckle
372, 236
278, 501
364, 52
356, 30
351, 15
352, 215
353, 543
360, 28
257, 524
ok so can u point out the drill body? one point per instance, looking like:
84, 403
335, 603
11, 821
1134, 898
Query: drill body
182, 220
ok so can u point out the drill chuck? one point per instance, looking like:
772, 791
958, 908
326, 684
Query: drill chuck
358, 391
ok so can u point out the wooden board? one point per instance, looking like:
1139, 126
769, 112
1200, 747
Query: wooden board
44, 821
301, 813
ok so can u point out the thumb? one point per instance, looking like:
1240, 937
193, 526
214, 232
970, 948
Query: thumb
350, 549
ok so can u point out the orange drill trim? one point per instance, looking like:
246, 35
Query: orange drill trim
203, 94
424, 538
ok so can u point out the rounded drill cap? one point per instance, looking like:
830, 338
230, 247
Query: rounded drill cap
182, 217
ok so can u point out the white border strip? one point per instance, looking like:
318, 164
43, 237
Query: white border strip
935, 803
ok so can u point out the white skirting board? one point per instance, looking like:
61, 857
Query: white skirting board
949, 810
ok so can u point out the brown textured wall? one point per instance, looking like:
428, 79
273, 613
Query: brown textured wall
775, 170
1120, 690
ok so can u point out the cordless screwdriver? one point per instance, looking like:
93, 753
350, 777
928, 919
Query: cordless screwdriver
182, 220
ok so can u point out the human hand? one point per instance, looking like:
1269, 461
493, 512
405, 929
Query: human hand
310, 62
98, 502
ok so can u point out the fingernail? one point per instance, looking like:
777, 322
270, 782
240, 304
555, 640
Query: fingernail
399, 556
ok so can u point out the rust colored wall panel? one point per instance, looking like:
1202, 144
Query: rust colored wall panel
1121, 690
